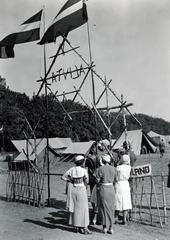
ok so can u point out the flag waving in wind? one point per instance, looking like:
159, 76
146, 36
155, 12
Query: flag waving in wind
29, 31
72, 15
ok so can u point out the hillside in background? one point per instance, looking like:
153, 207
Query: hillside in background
17, 110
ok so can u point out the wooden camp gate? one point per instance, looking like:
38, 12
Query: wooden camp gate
24, 184
149, 199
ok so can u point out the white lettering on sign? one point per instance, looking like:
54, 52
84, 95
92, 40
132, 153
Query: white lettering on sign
141, 171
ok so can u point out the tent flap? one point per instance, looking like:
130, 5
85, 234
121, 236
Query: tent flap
137, 139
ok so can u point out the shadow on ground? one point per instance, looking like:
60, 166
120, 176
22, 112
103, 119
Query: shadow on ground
58, 204
2, 198
56, 220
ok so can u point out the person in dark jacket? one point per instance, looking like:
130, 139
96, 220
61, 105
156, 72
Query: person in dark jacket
105, 178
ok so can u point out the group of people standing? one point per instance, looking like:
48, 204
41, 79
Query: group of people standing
110, 193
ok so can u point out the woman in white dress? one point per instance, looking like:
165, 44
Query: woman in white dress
122, 188
77, 200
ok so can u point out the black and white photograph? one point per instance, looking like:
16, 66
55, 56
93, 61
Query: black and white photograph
84, 119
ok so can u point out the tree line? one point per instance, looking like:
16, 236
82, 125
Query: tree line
19, 113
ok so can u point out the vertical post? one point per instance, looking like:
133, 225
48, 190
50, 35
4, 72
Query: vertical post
124, 118
28, 172
47, 147
92, 79
46, 97
141, 198
156, 200
135, 201
45, 82
164, 200
90, 56
150, 205
107, 107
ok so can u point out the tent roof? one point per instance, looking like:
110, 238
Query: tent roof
22, 157
57, 143
135, 137
154, 134
54, 143
22, 145
79, 148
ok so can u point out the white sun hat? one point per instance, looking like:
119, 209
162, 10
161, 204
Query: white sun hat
79, 157
106, 158
126, 159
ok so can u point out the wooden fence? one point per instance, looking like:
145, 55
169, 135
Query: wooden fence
24, 184
149, 199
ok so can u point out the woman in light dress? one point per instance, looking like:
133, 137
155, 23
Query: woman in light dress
77, 200
122, 188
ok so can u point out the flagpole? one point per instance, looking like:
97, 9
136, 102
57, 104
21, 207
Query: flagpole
108, 111
92, 78
46, 97
45, 62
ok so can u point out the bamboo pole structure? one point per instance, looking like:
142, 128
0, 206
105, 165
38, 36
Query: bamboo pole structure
135, 201
108, 112
164, 199
151, 193
141, 198
25, 186
154, 189
124, 118
140, 190
24, 183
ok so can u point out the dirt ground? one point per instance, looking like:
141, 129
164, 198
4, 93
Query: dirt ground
23, 222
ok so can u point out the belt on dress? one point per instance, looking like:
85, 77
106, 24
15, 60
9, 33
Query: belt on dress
77, 180
107, 184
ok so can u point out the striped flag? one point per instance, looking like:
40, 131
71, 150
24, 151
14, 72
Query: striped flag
72, 15
29, 31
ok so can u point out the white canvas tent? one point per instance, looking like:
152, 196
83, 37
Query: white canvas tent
79, 148
59, 144
137, 139
156, 137
28, 147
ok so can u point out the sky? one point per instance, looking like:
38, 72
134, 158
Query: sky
130, 45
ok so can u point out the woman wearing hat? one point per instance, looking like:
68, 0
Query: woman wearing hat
105, 177
123, 197
77, 201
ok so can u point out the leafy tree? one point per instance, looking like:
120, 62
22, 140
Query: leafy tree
63, 119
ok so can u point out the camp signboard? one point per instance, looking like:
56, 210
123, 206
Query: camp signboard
141, 171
